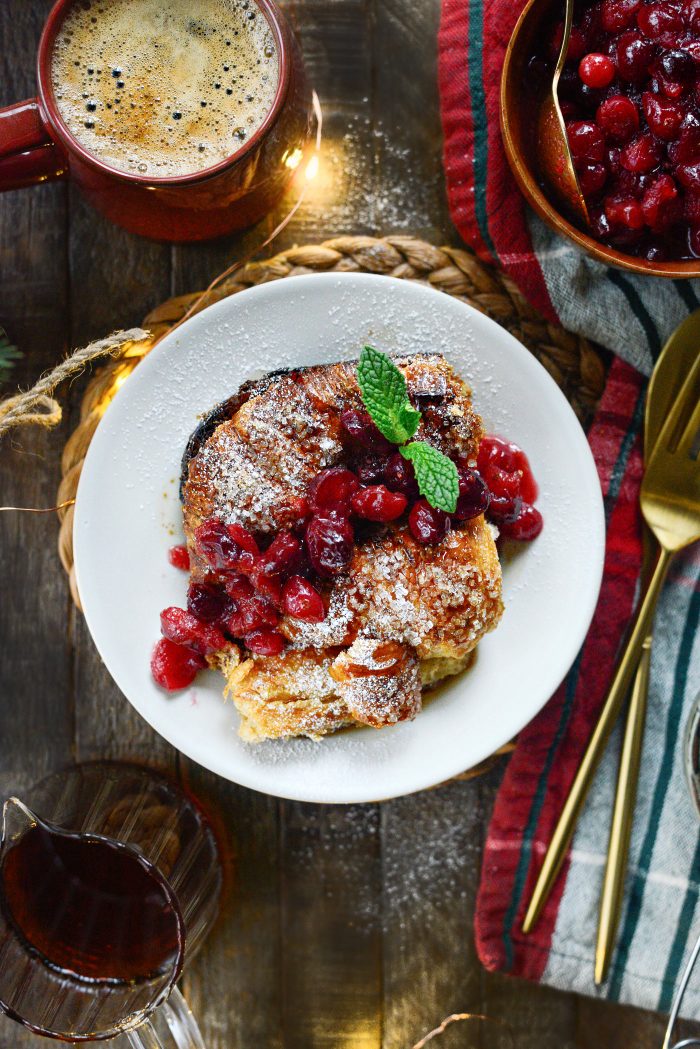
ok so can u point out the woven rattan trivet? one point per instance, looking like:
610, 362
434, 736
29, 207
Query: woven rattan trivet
571, 360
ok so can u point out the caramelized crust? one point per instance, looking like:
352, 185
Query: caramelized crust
251, 461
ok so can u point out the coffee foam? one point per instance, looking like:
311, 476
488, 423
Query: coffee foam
164, 89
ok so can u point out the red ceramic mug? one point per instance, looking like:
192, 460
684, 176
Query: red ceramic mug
35, 146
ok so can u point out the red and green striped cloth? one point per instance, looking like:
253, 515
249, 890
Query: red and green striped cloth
633, 317
629, 314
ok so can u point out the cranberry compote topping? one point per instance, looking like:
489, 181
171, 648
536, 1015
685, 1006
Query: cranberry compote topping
527, 525
399, 476
332, 489
428, 525
631, 101
507, 472
329, 544
302, 601
216, 545
378, 504
185, 629
179, 557
251, 614
474, 496
282, 556
208, 603
174, 667
360, 428
264, 642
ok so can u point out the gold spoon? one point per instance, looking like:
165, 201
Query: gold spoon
555, 160
674, 363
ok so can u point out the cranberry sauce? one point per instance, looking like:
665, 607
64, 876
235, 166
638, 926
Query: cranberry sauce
252, 581
630, 96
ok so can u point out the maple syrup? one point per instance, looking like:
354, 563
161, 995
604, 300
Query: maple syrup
91, 908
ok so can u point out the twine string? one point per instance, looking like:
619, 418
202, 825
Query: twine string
458, 1018
37, 405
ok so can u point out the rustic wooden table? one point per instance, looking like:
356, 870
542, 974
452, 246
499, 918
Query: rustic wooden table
346, 926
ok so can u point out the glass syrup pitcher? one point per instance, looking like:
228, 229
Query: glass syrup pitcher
109, 881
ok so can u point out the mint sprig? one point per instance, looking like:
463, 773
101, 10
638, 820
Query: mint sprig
385, 396
435, 473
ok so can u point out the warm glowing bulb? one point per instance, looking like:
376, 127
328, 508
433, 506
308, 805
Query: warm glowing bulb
312, 167
294, 159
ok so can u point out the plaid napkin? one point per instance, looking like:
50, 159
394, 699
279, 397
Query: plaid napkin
633, 317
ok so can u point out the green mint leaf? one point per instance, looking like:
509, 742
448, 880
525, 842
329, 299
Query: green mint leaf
8, 355
435, 473
385, 396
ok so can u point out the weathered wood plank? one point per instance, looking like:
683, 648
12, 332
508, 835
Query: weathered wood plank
36, 712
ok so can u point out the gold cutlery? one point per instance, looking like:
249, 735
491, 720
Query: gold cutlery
673, 365
670, 502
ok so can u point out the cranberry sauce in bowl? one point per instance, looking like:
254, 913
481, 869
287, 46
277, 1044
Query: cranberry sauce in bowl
630, 97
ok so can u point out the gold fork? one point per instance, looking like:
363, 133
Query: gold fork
670, 502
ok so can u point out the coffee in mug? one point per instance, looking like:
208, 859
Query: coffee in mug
162, 89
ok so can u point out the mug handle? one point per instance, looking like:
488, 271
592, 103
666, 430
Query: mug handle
28, 155
181, 1026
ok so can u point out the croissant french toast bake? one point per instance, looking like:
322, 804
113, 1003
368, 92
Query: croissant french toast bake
323, 583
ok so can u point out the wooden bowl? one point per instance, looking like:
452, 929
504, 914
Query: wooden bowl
517, 123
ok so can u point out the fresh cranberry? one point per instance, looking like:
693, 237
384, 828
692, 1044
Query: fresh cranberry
329, 544
633, 56
618, 14
174, 667
625, 213
370, 469
596, 70
360, 428
185, 629
504, 482
428, 525
585, 141
526, 526
216, 545
252, 613
677, 65
248, 546
378, 504
269, 586
658, 203
179, 557
642, 154
660, 22
208, 603
238, 587
264, 642
474, 496
302, 601
663, 117
505, 509
399, 476
689, 175
577, 43
687, 148
591, 178
282, 555
332, 489
618, 117
494, 451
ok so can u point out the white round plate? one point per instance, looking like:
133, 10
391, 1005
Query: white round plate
128, 515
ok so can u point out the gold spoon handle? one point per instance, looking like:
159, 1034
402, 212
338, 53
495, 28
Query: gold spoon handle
623, 816
597, 743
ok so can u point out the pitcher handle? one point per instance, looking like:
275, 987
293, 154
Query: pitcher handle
28, 154
181, 1024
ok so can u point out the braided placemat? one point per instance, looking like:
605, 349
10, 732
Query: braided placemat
574, 363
